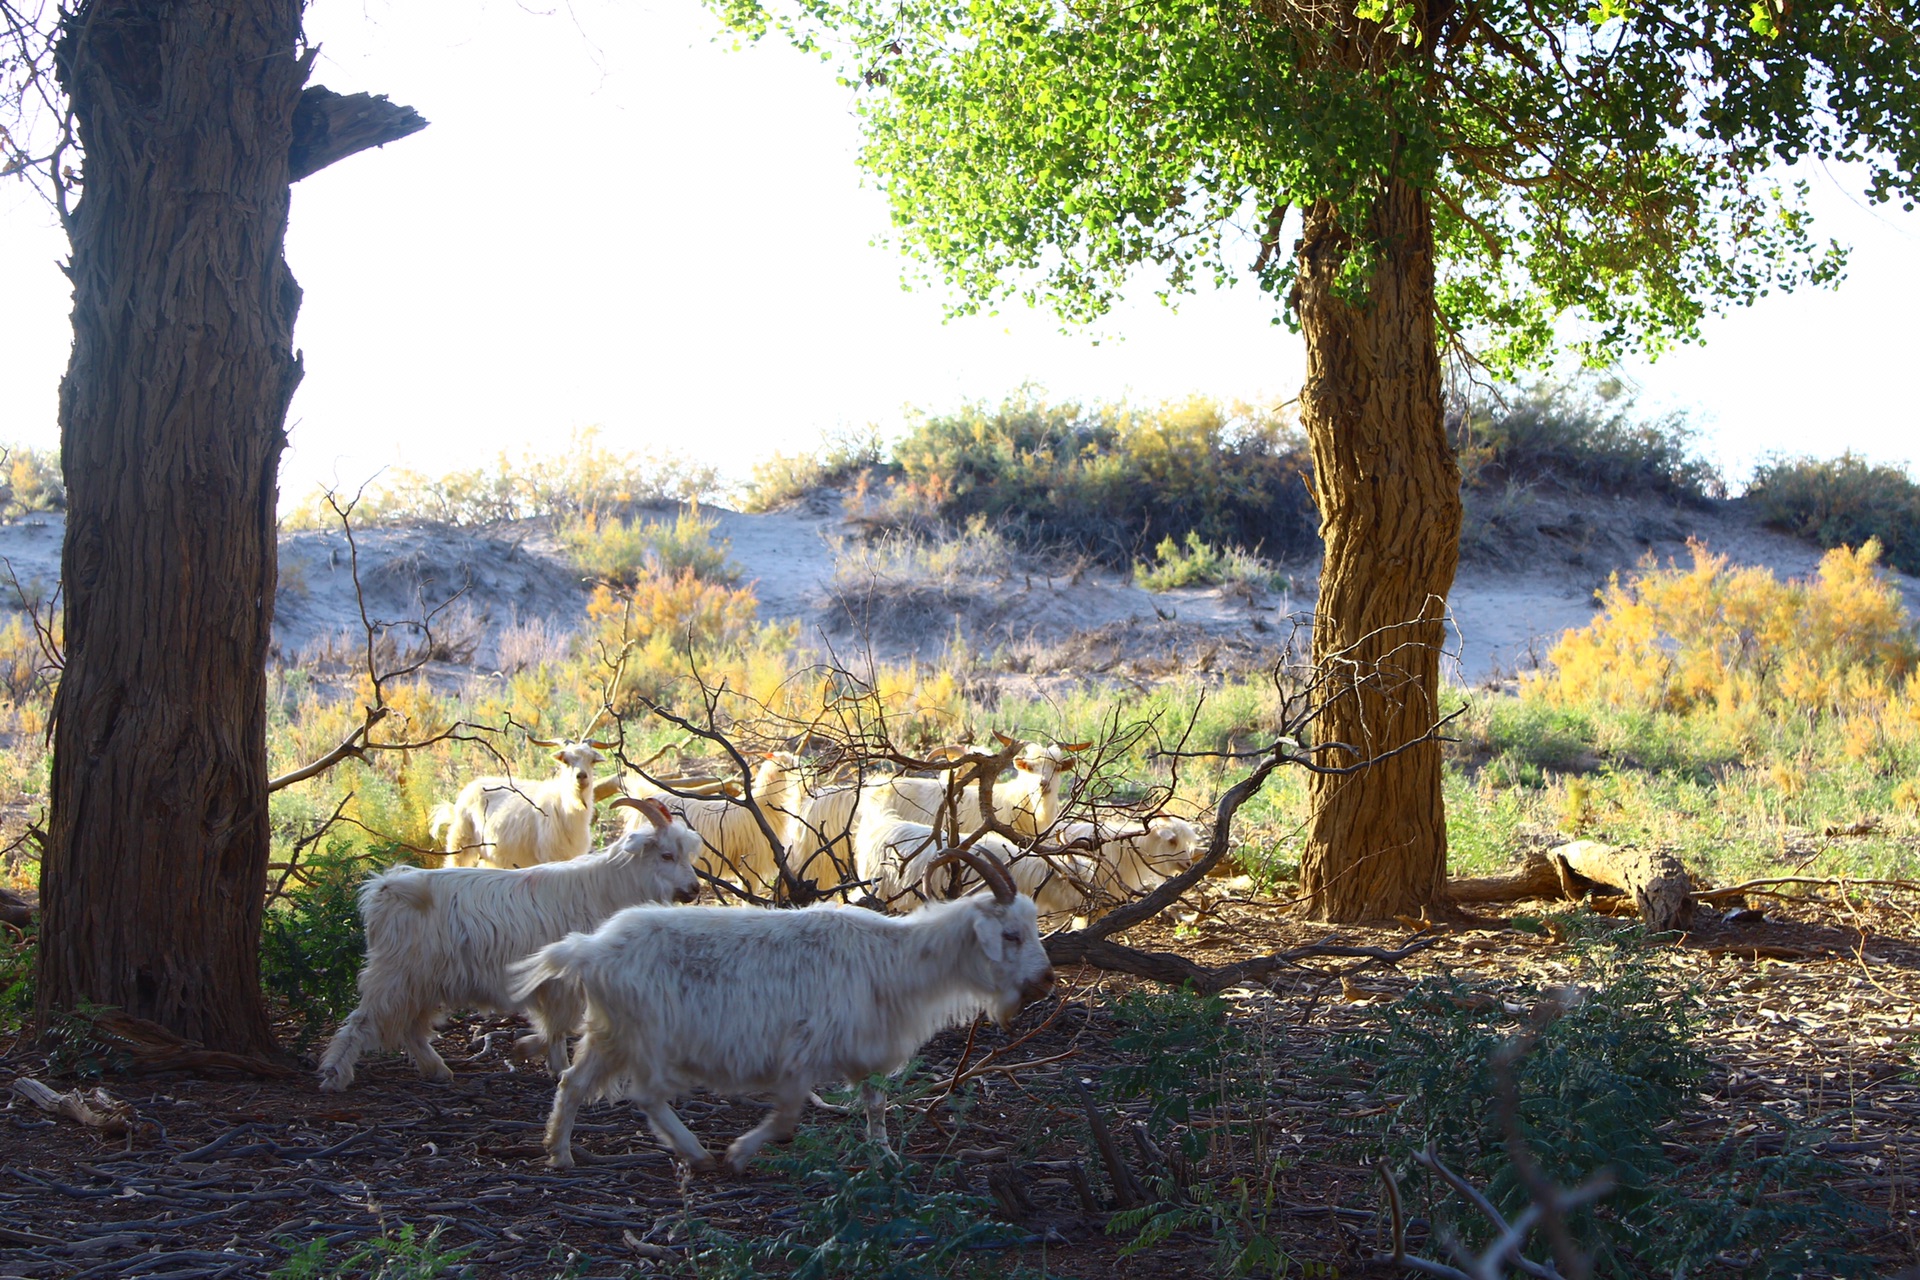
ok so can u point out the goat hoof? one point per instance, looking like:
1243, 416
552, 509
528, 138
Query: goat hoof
560, 1160
706, 1164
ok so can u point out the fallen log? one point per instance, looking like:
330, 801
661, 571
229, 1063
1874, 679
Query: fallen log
1536, 877
97, 1109
1656, 881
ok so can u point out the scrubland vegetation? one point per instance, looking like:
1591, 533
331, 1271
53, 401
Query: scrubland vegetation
1753, 725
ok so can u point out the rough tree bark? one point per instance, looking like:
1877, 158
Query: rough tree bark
172, 420
1388, 490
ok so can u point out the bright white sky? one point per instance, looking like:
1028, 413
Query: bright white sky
617, 220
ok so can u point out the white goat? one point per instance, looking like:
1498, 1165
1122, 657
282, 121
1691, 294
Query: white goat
894, 855
443, 937
735, 847
777, 1002
509, 822
1126, 861
1028, 802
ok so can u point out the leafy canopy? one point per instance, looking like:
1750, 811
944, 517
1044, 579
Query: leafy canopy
1613, 162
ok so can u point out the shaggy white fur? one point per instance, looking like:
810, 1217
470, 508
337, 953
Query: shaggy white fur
775, 1002
735, 848
517, 822
442, 937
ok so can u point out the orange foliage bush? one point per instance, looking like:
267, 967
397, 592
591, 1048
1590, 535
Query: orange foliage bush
1707, 637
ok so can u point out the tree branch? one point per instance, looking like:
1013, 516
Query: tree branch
329, 127
354, 744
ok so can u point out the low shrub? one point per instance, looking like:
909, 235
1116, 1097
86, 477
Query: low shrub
393, 1255
586, 476
32, 481
839, 458
1584, 1078
865, 1214
1842, 501
1201, 564
1581, 435
623, 551
968, 557
1108, 481
1731, 639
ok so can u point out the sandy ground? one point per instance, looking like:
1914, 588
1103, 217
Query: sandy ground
501, 597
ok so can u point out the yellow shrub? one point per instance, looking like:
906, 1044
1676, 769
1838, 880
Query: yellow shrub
1675, 639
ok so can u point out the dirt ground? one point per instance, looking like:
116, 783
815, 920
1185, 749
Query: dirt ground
1808, 1012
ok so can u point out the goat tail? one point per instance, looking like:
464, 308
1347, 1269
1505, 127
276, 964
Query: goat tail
552, 969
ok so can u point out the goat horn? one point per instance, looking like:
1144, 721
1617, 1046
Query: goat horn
544, 742
609, 746
656, 812
1005, 741
985, 866
1076, 746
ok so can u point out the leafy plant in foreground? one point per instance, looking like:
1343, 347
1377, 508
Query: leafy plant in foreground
1599, 1072
392, 1256
864, 1213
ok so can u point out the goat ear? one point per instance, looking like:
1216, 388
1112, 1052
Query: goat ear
1023, 764
560, 756
986, 928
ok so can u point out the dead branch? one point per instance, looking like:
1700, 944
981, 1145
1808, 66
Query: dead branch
328, 127
1841, 883
353, 745
300, 846
1127, 1191
1177, 970
95, 1108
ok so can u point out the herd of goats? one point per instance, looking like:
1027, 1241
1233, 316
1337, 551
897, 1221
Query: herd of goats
736, 999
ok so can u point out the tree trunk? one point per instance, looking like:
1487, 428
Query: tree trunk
172, 420
1388, 489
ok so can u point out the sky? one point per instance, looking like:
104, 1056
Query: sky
617, 219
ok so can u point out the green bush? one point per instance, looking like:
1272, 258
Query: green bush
31, 480
1842, 501
19, 956
1580, 436
1201, 564
396, 1255
624, 551
311, 942
840, 457
1109, 481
